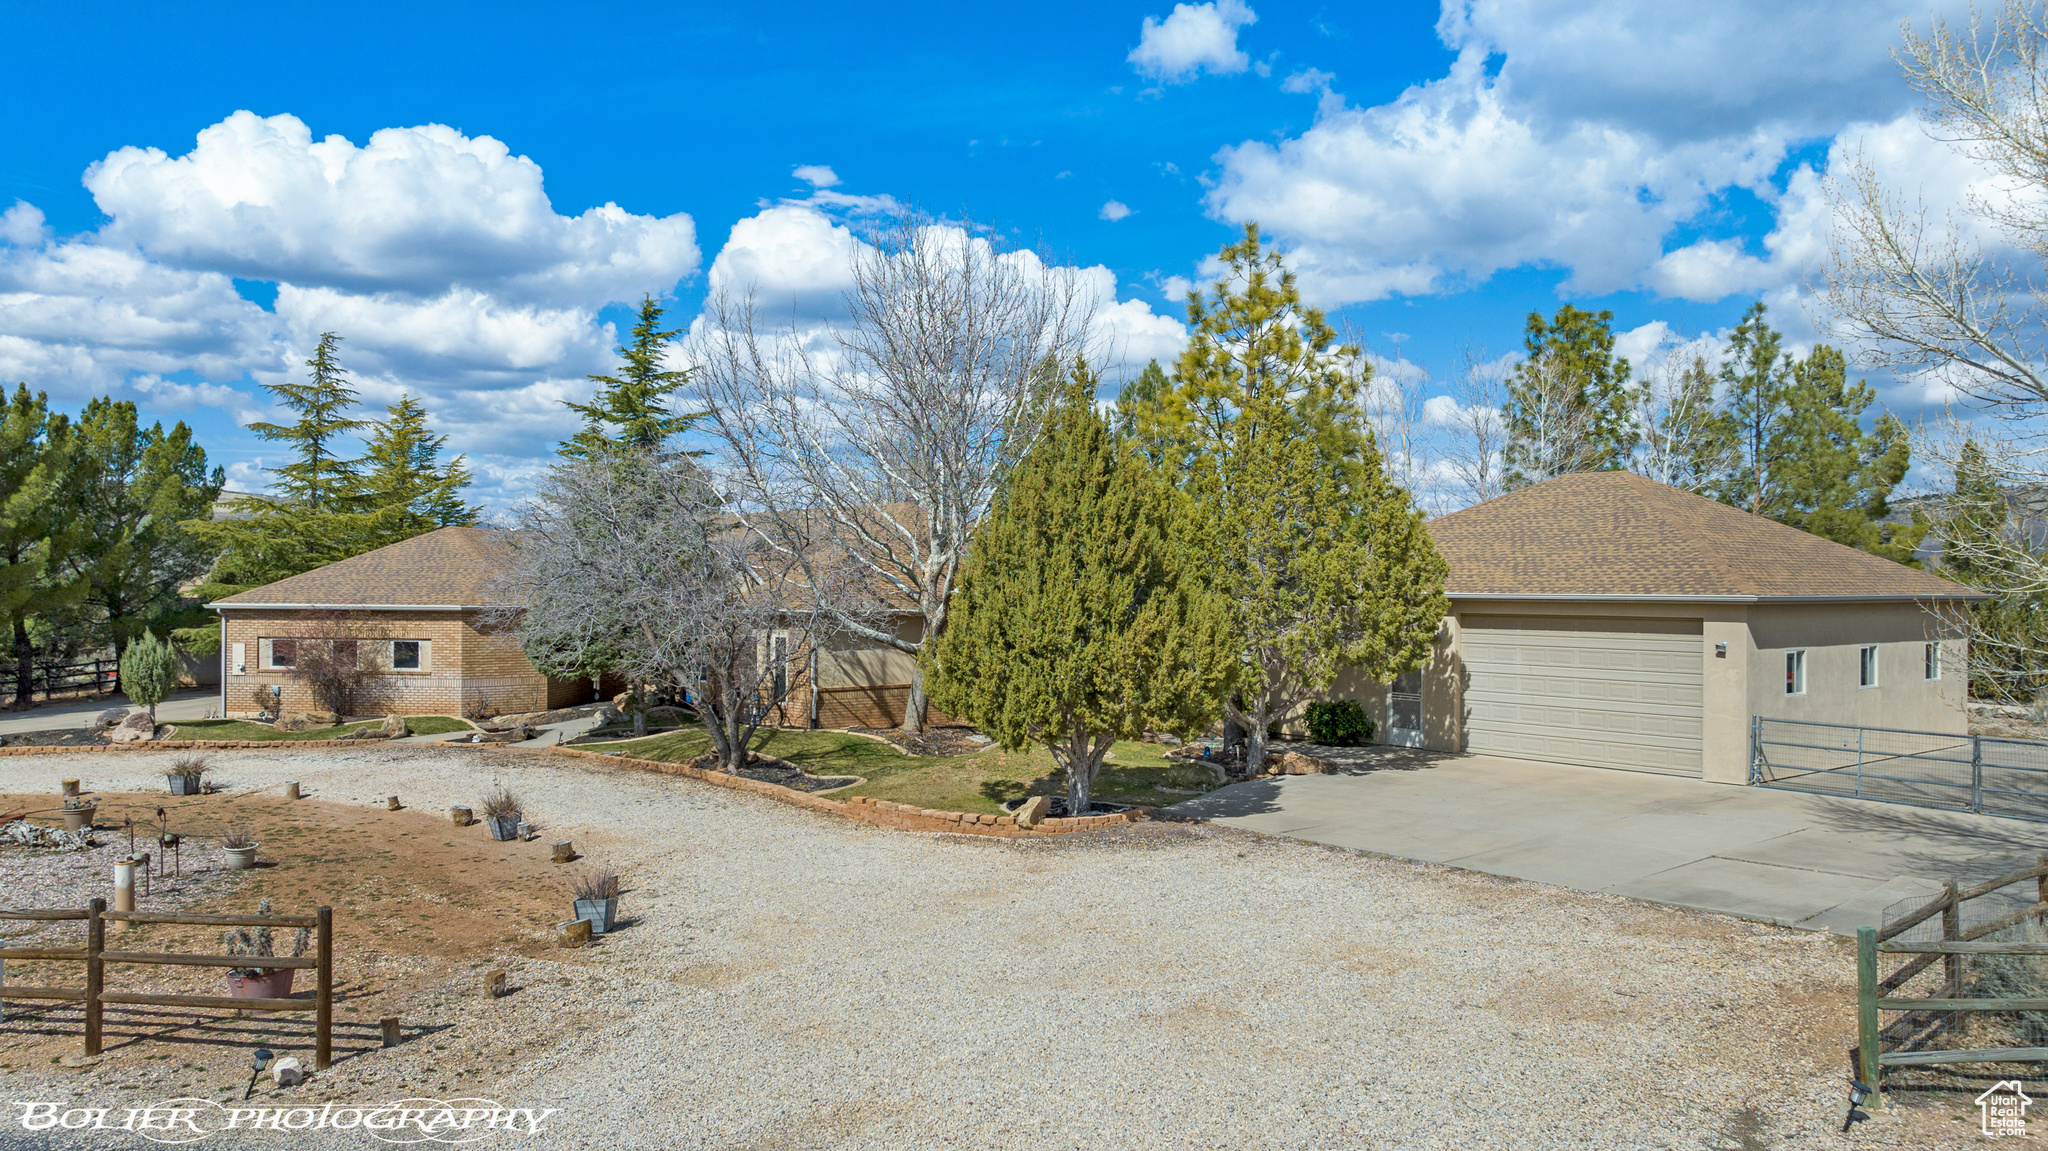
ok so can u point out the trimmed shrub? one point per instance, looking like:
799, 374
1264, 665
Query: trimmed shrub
1338, 723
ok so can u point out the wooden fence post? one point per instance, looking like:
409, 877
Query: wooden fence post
1867, 1055
1952, 965
95, 971
323, 1018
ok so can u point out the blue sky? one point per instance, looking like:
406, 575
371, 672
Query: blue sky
1436, 173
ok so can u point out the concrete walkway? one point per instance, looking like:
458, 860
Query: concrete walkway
60, 715
1801, 860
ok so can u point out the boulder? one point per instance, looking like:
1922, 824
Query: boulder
323, 718
393, 727
1032, 811
1295, 763
110, 717
135, 727
304, 721
287, 1072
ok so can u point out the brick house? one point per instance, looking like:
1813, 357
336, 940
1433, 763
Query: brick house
421, 610
418, 609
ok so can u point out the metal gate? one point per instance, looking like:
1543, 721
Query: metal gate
1983, 774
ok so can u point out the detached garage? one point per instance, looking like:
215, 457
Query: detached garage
1609, 620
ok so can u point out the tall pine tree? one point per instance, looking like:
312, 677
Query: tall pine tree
41, 482
317, 478
144, 484
631, 409
1082, 614
402, 468
1568, 403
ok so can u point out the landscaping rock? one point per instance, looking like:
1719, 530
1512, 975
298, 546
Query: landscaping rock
392, 728
110, 717
293, 721
1032, 811
287, 1072
324, 718
1295, 763
135, 727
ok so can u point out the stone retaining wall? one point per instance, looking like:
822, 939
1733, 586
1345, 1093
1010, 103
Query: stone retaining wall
863, 809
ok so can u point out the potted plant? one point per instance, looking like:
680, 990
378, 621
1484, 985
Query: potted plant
79, 812
597, 899
502, 811
254, 982
188, 775
240, 845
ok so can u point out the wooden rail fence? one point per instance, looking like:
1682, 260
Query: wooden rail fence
96, 957
1875, 995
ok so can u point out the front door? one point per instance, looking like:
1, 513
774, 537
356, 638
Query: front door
1404, 710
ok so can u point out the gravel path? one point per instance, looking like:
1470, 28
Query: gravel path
797, 981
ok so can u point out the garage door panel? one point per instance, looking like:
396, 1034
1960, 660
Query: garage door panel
1609, 693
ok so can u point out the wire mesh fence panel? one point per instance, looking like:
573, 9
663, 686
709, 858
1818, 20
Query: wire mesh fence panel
2013, 778
1922, 768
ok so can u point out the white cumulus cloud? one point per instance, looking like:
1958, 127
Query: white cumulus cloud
816, 175
1193, 39
1114, 210
415, 210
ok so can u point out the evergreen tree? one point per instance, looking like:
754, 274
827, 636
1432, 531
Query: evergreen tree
1325, 561
149, 670
1826, 474
403, 469
1137, 406
142, 484
630, 410
40, 483
1754, 378
1082, 615
1568, 405
317, 479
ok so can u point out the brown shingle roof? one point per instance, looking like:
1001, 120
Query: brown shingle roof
1618, 534
448, 567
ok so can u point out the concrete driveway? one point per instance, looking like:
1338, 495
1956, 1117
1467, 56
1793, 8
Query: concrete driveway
1801, 860
58, 715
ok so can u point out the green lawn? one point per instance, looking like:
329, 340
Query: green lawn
975, 783
236, 729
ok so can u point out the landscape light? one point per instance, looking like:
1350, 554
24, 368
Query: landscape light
1857, 1094
263, 1058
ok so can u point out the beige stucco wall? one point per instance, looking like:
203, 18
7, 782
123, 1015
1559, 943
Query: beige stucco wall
1831, 637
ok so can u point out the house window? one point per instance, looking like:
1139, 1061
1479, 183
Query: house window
284, 653
1933, 661
1795, 673
780, 655
1866, 665
405, 655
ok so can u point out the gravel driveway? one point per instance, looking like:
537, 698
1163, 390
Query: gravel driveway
797, 981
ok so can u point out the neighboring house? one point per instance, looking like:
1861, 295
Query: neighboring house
420, 608
1609, 620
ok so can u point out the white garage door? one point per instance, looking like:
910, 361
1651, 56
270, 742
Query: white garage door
1606, 693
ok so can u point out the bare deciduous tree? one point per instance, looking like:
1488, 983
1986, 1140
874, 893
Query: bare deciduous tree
630, 552
1957, 298
1682, 437
888, 435
1925, 295
1476, 436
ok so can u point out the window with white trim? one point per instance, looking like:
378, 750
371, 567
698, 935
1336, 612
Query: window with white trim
1933, 661
1866, 665
405, 655
1795, 673
280, 653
